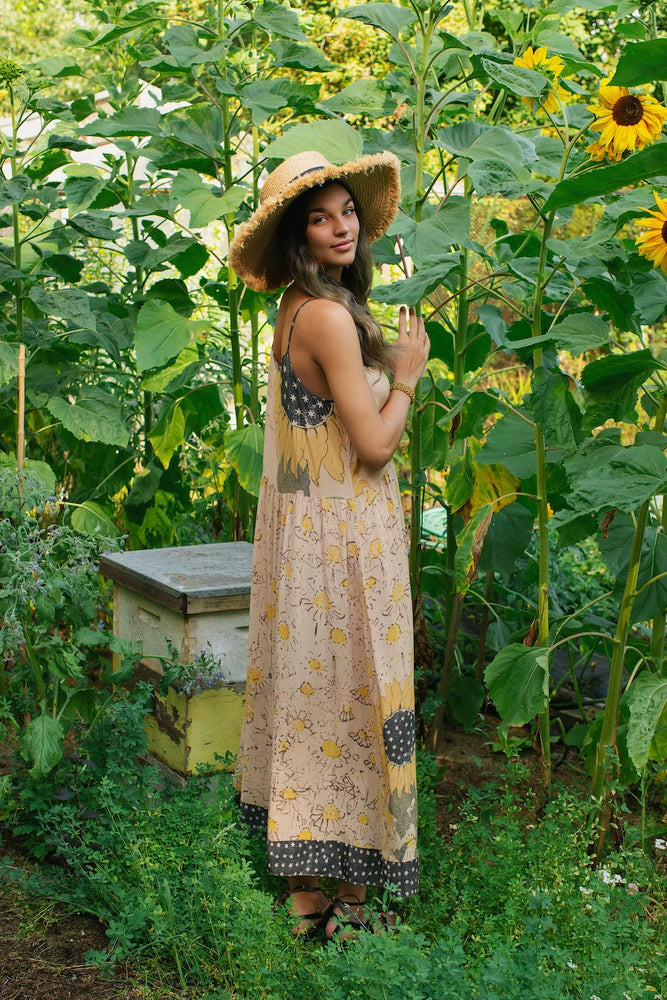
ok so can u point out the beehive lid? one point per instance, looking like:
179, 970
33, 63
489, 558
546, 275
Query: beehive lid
190, 578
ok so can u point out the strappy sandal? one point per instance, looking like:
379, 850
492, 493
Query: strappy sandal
314, 922
348, 920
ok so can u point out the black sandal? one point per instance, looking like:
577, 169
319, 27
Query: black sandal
316, 921
376, 924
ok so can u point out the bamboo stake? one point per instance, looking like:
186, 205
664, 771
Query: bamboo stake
20, 436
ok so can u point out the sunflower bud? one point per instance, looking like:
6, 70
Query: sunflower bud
10, 71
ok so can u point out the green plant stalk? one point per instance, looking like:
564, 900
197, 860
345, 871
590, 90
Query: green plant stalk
658, 623
16, 224
601, 775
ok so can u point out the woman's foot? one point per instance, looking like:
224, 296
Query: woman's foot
309, 905
350, 916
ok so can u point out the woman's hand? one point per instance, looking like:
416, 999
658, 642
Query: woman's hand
414, 344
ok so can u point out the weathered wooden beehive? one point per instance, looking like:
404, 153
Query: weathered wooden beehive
197, 597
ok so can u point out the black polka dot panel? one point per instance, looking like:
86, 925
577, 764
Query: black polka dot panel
399, 736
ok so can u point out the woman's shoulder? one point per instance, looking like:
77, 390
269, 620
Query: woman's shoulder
327, 310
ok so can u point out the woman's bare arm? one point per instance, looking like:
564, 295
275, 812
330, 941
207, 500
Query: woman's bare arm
333, 344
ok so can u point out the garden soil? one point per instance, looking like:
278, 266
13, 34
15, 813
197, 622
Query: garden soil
43, 945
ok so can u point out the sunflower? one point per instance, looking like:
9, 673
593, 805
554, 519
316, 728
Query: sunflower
625, 121
653, 243
398, 734
549, 66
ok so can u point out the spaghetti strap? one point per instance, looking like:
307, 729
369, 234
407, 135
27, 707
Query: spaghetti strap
291, 329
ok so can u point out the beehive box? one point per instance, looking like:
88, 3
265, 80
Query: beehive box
198, 598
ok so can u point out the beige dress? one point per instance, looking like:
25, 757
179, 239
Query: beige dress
326, 767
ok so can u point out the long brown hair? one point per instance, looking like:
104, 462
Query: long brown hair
351, 291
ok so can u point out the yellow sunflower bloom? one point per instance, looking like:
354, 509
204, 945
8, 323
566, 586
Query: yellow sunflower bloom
625, 121
653, 243
550, 66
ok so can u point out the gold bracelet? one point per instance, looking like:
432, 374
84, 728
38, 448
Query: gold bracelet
402, 387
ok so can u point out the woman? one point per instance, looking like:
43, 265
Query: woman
326, 766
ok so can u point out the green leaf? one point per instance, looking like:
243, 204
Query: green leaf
649, 162
370, 97
554, 409
162, 333
518, 682
178, 373
411, 290
511, 442
302, 57
58, 67
641, 62
91, 519
93, 416
200, 201
611, 385
335, 139
168, 433
13, 190
245, 449
266, 98
646, 700
517, 79
387, 16
496, 177
82, 185
651, 599
182, 41
434, 237
41, 744
507, 539
434, 438
9, 362
631, 475
130, 121
579, 332
71, 304
278, 20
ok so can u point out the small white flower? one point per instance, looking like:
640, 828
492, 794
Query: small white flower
660, 844
610, 879
571, 965
632, 887
585, 890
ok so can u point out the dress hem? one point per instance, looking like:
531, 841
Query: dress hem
334, 859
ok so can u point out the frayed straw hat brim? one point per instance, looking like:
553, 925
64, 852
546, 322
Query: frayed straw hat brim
373, 180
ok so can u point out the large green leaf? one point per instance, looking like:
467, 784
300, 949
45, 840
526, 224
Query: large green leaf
71, 304
93, 416
334, 138
42, 744
641, 62
371, 97
434, 237
9, 362
518, 682
554, 409
162, 334
611, 384
413, 289
167, 435
278, 20
511, 442
32, 469
646, 700
632, 475
131, 121
91, 519
387, 16
296, 56
13, 190
579, 332
182, 41
266, 98
434, 438
507, 539
203, 204
517, 79
649, 162
245, 449
497, 177
651, 599
176, 374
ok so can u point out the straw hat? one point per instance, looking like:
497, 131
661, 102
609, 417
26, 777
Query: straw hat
375, 185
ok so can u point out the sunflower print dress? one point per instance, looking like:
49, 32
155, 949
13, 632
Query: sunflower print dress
326, 766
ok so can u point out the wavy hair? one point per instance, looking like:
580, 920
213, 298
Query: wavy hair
351, 291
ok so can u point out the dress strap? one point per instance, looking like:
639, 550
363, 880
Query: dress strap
291, 329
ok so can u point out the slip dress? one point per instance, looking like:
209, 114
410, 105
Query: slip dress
326, 766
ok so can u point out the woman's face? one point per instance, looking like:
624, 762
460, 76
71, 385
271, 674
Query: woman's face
332, 228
